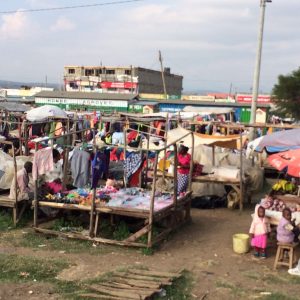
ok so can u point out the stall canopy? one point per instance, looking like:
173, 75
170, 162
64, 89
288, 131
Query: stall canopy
231, 141
280, 141
289, 160
44, 112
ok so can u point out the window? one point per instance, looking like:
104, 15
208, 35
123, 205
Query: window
127, 72
98, 72
89, 72
110, 71
71, 71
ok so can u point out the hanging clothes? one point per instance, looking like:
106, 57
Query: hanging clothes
80, 164
100, 166
132, 163
58, 129
42, 162
52, 129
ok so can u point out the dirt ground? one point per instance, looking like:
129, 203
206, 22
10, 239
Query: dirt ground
203, 247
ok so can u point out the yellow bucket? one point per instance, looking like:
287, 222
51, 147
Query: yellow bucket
241, 243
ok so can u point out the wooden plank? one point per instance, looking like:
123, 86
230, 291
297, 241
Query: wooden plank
115, 292
138, 234
155, 273
98, 296
136, 283
130, 287
146, 291
144, 278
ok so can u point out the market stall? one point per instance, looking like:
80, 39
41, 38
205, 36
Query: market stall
148, 206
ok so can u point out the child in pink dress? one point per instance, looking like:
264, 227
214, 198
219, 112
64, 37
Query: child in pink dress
259, 231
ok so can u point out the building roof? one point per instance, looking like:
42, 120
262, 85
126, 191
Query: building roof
85, 95
14, 107
207, 103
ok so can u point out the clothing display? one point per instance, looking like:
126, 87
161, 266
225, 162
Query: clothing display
42, 162
132, 163
100, 166
56, 173
80, 166
118, 138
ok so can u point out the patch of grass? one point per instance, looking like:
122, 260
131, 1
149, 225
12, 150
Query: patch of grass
121, 232
39, 241
236, 290
64, 224
180, 289
14, 268
277, 296
6, 220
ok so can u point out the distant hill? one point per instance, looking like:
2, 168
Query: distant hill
5, 84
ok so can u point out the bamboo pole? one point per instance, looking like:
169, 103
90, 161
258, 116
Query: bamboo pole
147, 163
149, 244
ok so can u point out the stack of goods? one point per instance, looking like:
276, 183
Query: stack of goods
284, 187
279, 205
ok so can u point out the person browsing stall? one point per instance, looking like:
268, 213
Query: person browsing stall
184, 160
287, 231
53, 179
24, 191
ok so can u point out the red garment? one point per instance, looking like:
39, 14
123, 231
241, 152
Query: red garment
135, 178
131, 136
184, 160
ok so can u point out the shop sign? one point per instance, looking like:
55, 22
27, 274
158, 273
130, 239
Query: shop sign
87, 102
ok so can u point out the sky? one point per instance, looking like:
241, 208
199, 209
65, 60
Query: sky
212, 43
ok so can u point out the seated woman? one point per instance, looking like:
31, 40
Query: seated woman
53, 179
24, 191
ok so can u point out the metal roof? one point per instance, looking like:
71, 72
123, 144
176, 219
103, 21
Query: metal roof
207, 103
85, 95
13, 107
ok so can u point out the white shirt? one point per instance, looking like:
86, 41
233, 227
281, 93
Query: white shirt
55, 173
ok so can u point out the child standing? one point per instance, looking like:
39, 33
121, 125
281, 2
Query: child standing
259, 231
287, 231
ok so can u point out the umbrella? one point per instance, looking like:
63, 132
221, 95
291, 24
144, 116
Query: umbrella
288, 159
44, 112
280, 141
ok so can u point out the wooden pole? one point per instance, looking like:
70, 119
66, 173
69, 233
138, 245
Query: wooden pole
165, 144
213, 156
175, 175
147, 162
15, 210
125, 147
35, 216
149, 244
26, 138
241, 173
191, 163
92, 229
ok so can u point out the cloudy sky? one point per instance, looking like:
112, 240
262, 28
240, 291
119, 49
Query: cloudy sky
211, 42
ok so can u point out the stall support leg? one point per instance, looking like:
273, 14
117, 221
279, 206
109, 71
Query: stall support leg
149, 244
241, 173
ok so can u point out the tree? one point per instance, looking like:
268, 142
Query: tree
286, 95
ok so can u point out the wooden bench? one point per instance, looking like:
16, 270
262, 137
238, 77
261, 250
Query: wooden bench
280, 259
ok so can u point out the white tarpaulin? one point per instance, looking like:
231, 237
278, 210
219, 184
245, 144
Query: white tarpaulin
280, 139
7, 168
44, 112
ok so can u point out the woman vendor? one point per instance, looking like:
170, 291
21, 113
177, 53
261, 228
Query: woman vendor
54, 177
184, 160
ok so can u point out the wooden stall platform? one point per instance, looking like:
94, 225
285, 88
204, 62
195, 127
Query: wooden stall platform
174, 215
